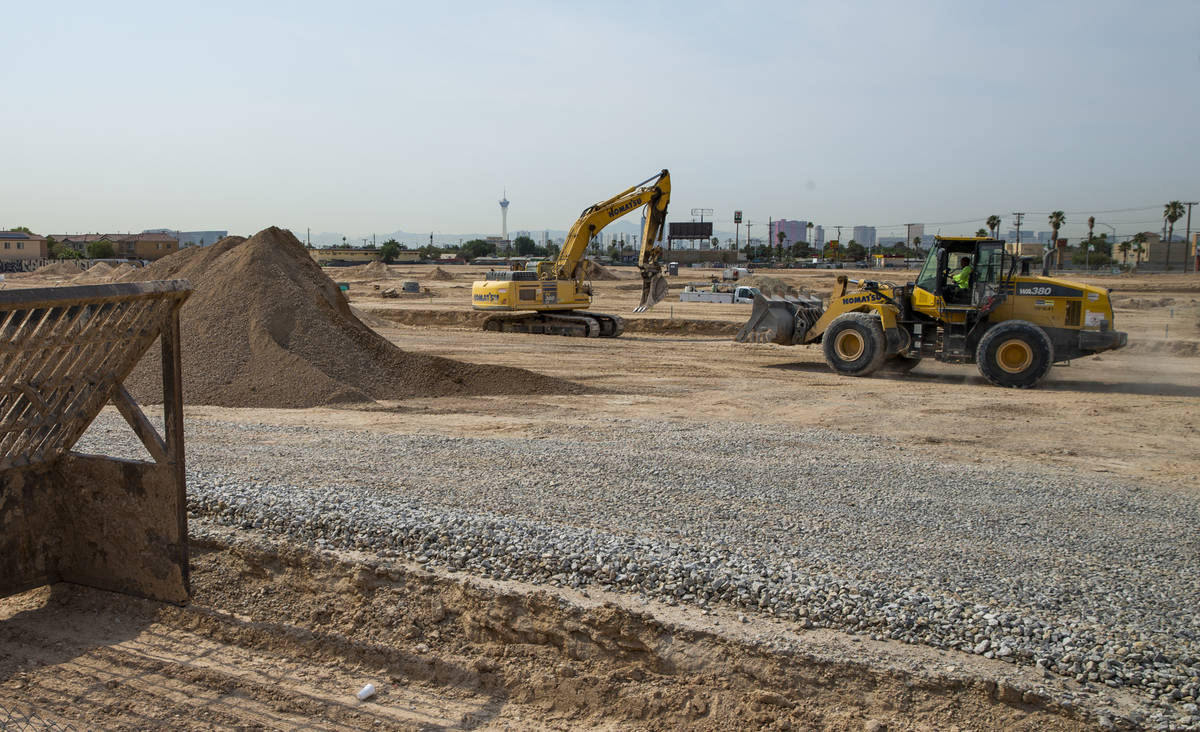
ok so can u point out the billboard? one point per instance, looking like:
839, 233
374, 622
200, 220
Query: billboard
737, 217
690, 230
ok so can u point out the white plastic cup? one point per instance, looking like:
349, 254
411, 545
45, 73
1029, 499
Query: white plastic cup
366, 692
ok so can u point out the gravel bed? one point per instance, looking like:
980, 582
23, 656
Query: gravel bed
1090, 578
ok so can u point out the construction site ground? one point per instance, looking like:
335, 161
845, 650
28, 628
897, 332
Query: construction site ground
281, 636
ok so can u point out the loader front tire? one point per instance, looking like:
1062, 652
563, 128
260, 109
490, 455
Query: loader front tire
1015, 353
854, 344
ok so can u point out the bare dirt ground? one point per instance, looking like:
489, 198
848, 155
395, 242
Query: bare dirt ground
1130, 412
279, 638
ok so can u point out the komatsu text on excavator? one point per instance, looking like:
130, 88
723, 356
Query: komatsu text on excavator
552, 297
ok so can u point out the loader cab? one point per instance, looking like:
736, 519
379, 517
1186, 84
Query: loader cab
934, 291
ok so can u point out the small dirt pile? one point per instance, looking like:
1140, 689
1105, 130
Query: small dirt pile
772, 286
441, 275
598, 271
265, 327
59, 269
369, 271
98, 273
1144, 303
122, 273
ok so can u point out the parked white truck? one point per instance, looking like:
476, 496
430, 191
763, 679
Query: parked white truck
723, 293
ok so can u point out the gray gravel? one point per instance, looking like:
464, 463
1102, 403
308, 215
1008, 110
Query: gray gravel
1090, 578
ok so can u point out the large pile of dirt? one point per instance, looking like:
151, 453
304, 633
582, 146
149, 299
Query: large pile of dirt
440, 275
265, 327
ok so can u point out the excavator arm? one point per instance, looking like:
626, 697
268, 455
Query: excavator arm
654, 194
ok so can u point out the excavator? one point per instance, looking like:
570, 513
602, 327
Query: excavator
1012, 325
553, 297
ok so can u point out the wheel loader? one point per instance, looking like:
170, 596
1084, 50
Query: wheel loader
1014, 326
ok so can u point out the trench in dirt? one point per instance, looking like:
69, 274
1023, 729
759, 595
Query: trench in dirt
470, 319
282, 638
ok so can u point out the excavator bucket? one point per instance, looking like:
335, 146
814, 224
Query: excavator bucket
654, 289
94, 520
772, 320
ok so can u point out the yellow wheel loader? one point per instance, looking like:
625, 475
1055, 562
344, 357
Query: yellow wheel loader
552, 298
1014, 326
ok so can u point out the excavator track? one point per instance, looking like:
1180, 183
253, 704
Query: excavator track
565, 323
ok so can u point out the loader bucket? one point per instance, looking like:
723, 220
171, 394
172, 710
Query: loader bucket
654, 289
115, 524
772, 320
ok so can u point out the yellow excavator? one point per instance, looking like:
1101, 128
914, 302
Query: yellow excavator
1013, 325
552, 297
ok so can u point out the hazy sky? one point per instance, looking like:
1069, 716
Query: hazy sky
362, 116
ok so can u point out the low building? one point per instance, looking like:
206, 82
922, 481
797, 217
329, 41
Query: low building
18, 245
1158, 254
192, 238
342, 256
144, 246
125, 246
1025, 249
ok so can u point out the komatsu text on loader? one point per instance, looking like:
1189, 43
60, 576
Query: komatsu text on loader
1013, 325
553, 297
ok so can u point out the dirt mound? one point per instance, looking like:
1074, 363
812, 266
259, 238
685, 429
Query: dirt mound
96, 274
1145, 303
265, 327
441, 275
1175, 347
369, 271
59, 269
122, 273
598, 271
772, 286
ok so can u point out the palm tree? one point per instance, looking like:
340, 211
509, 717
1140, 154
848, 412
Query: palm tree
917, 244
1056, 219
1139, 246
780, 235
1087, 247
993, 223
981, 233
1172, 212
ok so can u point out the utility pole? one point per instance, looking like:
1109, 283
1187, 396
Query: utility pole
1187, 238
1020, 215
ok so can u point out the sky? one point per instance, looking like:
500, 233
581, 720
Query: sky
363, 117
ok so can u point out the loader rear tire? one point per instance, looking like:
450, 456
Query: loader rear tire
1015, 353
854, 344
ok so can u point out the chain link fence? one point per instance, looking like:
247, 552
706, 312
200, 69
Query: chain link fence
16, 720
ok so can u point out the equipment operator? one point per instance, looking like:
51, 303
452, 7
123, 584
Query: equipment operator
962, 276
